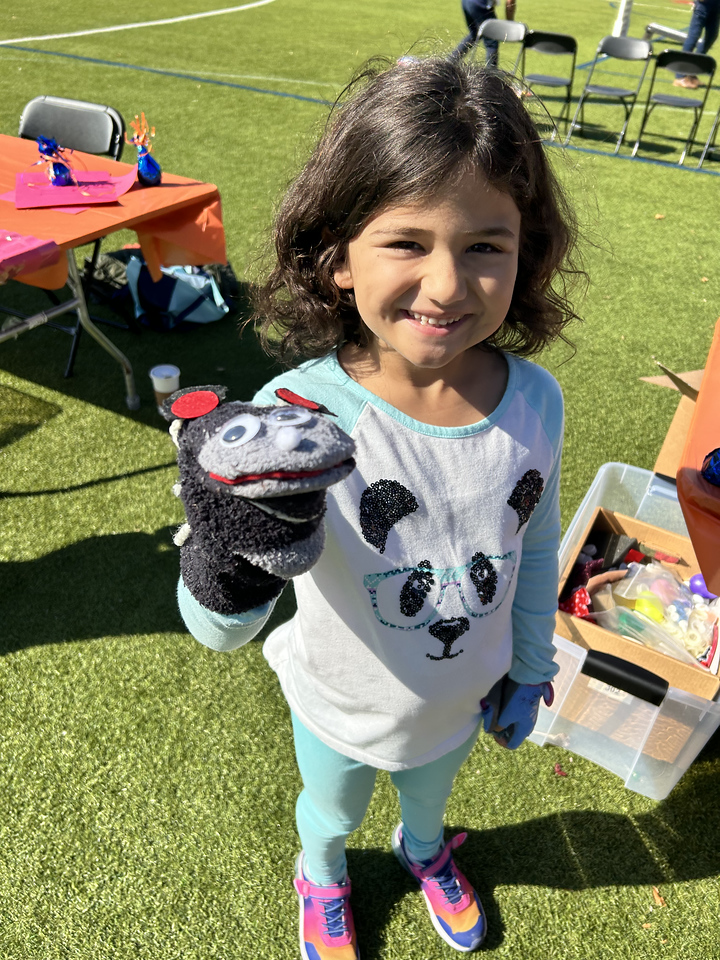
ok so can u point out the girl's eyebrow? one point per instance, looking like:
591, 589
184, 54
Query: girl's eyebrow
399, 231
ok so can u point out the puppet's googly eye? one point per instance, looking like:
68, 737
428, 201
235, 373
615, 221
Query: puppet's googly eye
240, 429
290, 416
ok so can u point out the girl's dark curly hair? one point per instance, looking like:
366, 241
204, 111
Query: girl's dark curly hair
399, 136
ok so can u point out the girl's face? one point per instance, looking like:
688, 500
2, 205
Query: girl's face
433, 279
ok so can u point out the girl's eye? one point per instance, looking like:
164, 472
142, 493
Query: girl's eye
484, 248
405, 245
292, 415
240, 429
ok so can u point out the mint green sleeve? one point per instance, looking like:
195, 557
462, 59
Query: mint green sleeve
221, 632
536, 598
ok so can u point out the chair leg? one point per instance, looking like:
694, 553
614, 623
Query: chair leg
646, 114
710, 142
628, 111
689, 143
565, 112
573, 122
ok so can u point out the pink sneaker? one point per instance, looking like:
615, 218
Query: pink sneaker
327, 931
455, 908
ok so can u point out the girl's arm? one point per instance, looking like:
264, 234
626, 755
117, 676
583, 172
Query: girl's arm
219, 631
536, 597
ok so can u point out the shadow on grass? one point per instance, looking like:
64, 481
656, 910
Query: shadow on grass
114, 585
207, 353
576, 850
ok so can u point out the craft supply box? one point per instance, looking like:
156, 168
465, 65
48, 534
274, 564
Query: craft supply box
693, 679
632, 710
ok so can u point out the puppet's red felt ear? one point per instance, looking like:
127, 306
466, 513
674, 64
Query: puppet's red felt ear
195, 404
282, 393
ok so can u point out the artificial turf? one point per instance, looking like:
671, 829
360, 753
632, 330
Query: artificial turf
147, 785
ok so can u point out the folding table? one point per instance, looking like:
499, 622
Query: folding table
177, 222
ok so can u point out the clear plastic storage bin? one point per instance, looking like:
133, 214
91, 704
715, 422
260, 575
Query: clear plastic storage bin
631, 491
624, 719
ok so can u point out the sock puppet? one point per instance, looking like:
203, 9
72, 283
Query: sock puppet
253, 482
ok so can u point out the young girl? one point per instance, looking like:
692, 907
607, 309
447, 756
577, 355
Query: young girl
416, 254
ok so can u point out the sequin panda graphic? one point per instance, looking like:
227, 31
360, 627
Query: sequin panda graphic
253, 481
526, 495
410, 598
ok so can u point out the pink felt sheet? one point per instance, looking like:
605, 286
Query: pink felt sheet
33, 189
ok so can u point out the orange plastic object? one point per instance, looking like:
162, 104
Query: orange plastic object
177, 222
700, 500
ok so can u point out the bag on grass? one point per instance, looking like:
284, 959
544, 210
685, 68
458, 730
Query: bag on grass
182, 295
109, 286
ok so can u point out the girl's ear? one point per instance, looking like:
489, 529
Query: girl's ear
342, 275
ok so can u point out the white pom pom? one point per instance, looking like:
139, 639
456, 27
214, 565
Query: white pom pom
181, 534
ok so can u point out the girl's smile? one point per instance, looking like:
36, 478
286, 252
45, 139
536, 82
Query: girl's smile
435, 278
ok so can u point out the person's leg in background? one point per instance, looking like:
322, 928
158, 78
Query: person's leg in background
697, 25
712, 25
475, 13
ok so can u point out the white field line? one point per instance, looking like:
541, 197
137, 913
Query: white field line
136, 26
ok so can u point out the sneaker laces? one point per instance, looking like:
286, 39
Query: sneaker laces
448, 882
335, 916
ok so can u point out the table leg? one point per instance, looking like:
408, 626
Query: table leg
131, 396
37, 320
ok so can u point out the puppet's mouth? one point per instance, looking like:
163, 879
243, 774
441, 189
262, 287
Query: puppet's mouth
275, 475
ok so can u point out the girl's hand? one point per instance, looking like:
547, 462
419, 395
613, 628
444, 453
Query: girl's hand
510, 710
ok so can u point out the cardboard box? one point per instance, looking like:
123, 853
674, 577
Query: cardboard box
688, 385
683, 676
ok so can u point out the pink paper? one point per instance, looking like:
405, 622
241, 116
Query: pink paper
10, 197
33, 189
20, 252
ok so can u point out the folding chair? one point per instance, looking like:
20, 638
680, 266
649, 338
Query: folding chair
676, 61
504, 31
77, 125
710, 142
614, 48
553, 45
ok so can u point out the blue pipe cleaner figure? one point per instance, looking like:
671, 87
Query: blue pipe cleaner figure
58, 168
711, 467
149, 170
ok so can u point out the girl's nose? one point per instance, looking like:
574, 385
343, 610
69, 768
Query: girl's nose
288, 438
444, 280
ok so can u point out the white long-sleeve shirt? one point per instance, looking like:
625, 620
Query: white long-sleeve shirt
439, 573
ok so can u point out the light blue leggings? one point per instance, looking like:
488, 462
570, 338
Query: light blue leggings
337, 792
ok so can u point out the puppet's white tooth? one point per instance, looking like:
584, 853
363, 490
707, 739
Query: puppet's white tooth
176, 489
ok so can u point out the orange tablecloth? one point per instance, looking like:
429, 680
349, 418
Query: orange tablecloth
179, 221
700, 500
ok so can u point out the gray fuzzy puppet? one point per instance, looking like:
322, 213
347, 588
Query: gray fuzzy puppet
253, 482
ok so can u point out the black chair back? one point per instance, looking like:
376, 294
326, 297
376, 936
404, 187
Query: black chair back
75, 124
553, 43
624, 48
697, 64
